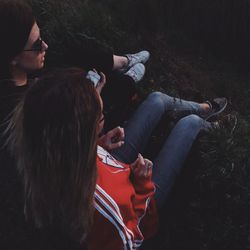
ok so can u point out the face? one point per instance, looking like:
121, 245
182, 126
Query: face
30, 59
100, 124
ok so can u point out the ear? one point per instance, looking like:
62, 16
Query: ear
13, 63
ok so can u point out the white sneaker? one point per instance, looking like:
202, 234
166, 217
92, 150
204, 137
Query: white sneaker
136, 72
140, 57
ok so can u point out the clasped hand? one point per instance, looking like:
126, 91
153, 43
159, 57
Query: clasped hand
142, 167
113, 139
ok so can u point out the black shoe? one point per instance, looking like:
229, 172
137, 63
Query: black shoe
226, 122
217, 105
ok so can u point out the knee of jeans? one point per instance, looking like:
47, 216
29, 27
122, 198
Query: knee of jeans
156, 99
192, 121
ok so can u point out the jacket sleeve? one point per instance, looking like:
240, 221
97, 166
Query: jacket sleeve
144, 190
145, 206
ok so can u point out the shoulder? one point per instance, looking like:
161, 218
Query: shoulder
8, 87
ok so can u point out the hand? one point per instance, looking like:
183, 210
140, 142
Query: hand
113, 139
142, 168
101, 82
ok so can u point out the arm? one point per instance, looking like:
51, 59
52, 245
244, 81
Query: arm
144, 187
87, 52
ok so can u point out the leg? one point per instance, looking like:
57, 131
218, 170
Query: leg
140, 126
117, 96
169, 161
124, 63
119, 62
87, 52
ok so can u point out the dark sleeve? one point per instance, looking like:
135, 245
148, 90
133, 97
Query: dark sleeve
9, 98
52, 239
87, 52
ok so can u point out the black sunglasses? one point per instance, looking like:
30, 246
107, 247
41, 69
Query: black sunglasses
37, 46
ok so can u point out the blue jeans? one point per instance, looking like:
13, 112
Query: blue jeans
169, 161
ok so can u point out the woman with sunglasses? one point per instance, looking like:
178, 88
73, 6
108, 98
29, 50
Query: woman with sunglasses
22, 51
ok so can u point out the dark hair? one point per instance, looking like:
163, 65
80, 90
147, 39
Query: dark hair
54, 137
16, 21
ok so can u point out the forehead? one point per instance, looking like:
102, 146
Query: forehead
34, 34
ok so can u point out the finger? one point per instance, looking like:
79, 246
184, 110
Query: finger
134, 165
121, 133
149, 172
141, 160
145, 172
117, 132
102, 75
141, 164
113, 132
99, 88
147, 167
116, 145
103, 78
101, 82
149, 164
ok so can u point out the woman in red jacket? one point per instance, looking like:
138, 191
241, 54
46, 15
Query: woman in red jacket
67, 178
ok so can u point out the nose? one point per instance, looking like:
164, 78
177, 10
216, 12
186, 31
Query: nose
45, 45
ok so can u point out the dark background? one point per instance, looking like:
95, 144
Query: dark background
199, 50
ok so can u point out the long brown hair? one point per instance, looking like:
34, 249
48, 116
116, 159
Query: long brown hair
54, 138
16, 21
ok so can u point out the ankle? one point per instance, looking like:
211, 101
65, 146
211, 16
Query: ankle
124, 62
205, 107
129, 60
120, 62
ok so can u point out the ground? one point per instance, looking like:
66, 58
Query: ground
209, 206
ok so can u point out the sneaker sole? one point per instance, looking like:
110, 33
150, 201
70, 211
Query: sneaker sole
216, 113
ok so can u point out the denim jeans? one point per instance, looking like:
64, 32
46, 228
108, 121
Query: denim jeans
170, 159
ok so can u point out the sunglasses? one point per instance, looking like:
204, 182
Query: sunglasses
37, 46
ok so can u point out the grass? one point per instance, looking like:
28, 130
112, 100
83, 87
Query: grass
209, 207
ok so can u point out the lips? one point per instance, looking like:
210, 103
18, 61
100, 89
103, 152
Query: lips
43, 57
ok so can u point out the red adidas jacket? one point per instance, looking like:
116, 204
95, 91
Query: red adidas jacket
125, 211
